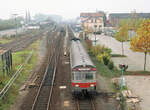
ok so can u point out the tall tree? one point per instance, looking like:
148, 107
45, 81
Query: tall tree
122, 36
141, 42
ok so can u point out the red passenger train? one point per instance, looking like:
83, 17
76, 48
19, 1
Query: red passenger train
83, 71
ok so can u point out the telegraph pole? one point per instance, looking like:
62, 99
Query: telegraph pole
15, 16
95, 34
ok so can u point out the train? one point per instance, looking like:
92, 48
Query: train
83, 71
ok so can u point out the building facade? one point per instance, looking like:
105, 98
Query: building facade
93, 21
114, 18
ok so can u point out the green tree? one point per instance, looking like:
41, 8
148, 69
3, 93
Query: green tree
141, 42
122, 36
131, 23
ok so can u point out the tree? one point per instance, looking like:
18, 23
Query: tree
122, 35
141, 42
132, 23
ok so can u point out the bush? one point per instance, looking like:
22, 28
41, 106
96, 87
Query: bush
110, 65
96, 50
104, 58
107, 50
100, 49
100, 58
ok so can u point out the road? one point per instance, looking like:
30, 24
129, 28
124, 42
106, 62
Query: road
135, 60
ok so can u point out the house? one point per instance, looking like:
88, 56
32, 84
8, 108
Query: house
93, 21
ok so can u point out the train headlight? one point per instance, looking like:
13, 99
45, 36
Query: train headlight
92, 85
76, 85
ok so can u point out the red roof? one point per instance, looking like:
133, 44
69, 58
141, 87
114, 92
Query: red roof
98, 14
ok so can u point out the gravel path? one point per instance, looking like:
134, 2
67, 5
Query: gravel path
135, 60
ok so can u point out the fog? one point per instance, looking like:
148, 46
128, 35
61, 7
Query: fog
70, 8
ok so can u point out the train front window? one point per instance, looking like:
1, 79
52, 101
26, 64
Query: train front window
78, 76
89, 76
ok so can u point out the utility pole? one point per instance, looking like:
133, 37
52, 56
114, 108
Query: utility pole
15, 16
95, 34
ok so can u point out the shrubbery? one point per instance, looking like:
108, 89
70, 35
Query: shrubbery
103, 58
110, 65
103, 55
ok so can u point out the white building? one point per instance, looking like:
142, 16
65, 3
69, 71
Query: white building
93, 21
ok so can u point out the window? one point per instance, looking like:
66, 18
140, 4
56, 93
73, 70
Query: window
83, 76
89, 76
95, 26
78, 76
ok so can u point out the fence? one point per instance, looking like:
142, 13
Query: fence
5, 61
13, 78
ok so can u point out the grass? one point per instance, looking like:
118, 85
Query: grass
117, 55
137, 73
103, 69
18, 59
4, 41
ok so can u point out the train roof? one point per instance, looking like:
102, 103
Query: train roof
79, 56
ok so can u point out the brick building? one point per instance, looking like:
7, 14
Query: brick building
114, 18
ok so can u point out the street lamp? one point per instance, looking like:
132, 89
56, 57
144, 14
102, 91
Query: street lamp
95, 33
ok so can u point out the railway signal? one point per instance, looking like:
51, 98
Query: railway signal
123, 68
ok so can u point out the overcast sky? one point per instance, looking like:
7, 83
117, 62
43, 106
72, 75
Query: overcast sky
70, 8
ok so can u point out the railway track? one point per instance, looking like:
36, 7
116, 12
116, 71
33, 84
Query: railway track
43, 97
23, 41
87, 103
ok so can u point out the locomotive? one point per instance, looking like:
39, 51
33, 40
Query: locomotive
83, 71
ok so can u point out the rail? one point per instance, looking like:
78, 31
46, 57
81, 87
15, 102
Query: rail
14, 77
43, 97
86, 104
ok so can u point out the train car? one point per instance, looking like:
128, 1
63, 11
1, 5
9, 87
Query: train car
83, 71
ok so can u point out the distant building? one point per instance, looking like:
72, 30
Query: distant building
114, 18
93, 21
33, 27
27, 17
